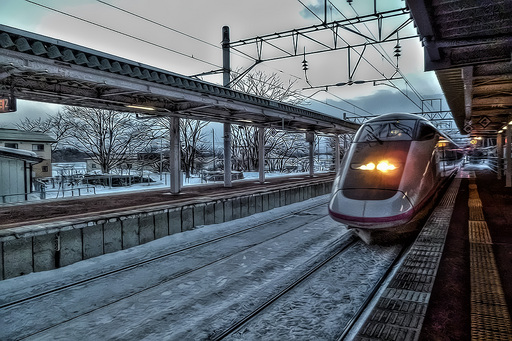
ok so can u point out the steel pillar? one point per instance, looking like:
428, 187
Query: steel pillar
499, 150
226, 74
310, 138
227, 155
337, 153
508, 158
261, 153
175, 158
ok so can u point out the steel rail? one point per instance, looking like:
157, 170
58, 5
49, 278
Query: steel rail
162, 256
153, 259
373, 293
346, 244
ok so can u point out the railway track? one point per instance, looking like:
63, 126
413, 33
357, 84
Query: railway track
247, 328
10, 303
341, 254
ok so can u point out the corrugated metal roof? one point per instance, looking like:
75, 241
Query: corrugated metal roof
41, 68
29, 136
468, 44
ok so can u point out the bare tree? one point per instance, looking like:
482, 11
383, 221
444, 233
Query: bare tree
106, 136
245, 142
192, 143
55, 125
285, 149
40, 125
192, 140
267, 85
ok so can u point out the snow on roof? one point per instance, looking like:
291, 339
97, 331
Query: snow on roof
20, 135
19, 154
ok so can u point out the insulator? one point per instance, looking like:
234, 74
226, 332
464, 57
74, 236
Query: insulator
398, 50
304, 65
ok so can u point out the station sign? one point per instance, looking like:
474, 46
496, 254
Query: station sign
7, 104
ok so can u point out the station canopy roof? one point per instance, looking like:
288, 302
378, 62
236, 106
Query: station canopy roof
39, 68
469, 44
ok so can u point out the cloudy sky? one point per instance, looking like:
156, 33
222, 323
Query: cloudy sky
185, 36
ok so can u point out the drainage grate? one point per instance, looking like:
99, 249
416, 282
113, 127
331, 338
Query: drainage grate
400, 311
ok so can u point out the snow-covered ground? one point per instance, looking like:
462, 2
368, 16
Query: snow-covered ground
194, 293
159, 181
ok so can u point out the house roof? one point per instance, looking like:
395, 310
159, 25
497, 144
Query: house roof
25, 155
20, 135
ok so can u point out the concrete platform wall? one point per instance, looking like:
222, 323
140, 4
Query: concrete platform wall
48, 246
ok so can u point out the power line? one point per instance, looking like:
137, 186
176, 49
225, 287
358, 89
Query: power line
172, 50
241, 54
159, 24
124, 34
386, 56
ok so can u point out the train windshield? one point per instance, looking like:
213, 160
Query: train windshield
387, 131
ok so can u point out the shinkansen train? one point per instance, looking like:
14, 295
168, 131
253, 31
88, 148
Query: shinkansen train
391, 175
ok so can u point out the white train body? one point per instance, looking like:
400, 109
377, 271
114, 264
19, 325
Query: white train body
393, 170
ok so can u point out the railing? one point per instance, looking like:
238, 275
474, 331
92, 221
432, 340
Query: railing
42, 192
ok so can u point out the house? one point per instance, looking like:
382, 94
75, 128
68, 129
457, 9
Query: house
32, 141
16, 174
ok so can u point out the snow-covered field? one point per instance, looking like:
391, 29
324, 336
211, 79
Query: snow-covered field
56, 189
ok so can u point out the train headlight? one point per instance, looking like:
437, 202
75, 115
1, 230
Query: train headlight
385, 166
368, 166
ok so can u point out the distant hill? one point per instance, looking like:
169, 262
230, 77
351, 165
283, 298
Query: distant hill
68, 155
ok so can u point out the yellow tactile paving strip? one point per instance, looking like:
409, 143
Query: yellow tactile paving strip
490, 319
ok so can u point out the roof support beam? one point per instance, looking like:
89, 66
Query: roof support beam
467, 76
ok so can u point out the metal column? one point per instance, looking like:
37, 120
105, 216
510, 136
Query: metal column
175, 158
227, 155
337, 154
261, 153
310, 138
226, 74
499, 150
508, 158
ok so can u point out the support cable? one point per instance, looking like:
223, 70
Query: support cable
384, 54
122, 33
386, 57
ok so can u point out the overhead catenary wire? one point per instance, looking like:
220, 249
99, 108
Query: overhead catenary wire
239, 53
384, 54
166, 48
386, 57
123, 33
364, 58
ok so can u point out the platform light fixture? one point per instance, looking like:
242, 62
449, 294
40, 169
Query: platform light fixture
140, 107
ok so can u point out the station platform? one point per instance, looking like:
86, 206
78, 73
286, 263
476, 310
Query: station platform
53, 233
472, 295
455, 282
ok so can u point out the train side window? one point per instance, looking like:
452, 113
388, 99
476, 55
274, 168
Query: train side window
426, 132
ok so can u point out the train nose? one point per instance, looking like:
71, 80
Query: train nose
395, 210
